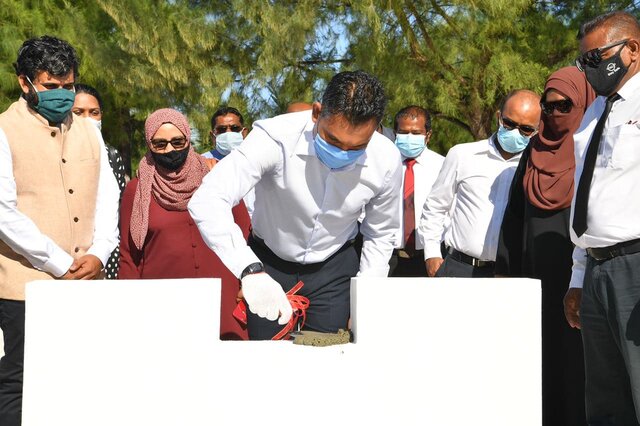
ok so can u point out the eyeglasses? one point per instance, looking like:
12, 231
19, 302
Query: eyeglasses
564, 106
593, 57
524, 129
176, 143
222, 129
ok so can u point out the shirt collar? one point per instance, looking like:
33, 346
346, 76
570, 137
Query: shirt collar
493, 150
630, 88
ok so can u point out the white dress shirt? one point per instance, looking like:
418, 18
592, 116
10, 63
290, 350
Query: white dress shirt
304, 211
250, 198
614, 207
23, 236
425, 172
473, 188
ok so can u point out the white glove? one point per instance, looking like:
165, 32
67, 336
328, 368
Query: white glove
266, 298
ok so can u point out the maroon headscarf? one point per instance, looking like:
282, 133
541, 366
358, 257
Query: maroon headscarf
171, 189
548, 179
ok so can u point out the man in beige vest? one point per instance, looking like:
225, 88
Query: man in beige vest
58, 197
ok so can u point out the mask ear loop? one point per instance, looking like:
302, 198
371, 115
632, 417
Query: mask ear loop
31, 83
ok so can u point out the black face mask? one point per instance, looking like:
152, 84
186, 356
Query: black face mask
171, 160
607, 75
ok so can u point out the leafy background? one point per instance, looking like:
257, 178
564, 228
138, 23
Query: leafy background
457, 58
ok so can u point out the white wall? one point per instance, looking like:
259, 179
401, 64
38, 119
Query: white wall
429, 352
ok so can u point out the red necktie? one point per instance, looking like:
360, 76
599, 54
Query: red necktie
409, 208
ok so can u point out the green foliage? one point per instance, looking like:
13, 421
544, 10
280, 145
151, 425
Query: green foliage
458, 58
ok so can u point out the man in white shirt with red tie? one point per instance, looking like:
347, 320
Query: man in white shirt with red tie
604, 295
313, 174
412, 126
473, 190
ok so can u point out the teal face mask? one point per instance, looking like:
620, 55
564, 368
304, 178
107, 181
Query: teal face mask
54, 104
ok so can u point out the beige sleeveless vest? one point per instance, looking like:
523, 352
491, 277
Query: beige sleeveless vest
56, 172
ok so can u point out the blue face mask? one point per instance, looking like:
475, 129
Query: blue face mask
54, 104
410, 145
228, 141
511, 140
332, 156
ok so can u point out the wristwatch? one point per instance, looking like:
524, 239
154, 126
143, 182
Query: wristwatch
254, 268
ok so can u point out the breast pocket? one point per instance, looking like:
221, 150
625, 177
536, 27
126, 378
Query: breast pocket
625, 143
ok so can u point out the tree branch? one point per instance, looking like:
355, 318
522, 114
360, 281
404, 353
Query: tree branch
453, 120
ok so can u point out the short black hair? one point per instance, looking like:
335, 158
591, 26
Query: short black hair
413, 112
224, 111
622, 23
356, 95
89, 90
46, 53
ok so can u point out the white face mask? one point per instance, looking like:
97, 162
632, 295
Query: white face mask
228, 141
97, 123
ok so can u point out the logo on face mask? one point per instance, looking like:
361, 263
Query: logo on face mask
612, 68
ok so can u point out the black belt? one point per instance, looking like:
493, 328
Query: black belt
620, 249
469, 260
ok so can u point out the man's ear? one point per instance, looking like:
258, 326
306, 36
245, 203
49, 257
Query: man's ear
245, 132
213, 138
316, 108
634, 49
24, 84
427, 138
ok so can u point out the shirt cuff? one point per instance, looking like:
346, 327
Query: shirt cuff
58, 264
374, 272
245, 257
432, 250
577, 279
101, 251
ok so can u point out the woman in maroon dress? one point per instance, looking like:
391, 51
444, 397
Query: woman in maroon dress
158, 238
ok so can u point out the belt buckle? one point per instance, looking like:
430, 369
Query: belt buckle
403, 254
477, 263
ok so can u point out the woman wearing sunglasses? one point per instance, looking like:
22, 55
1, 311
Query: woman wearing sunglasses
535, 242
158, 238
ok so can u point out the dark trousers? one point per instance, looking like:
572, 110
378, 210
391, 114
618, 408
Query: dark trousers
610, 319
11, 364
327, 285
413, 266
454, 268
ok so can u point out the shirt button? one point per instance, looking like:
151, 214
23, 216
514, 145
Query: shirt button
76, 249
75, 219
70, 191
64, 161
193, 245
53, 134
197, 266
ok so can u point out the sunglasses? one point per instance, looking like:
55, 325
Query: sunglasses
522, 128
564, 106
593, 57
176, 143
222, 129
